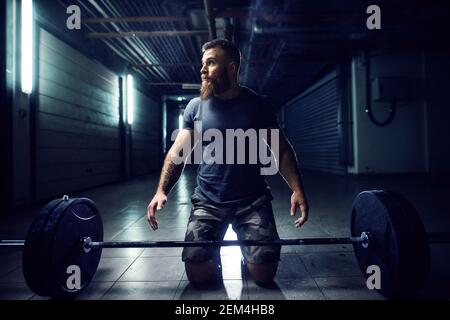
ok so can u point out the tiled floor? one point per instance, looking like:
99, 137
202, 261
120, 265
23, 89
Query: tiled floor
305, 272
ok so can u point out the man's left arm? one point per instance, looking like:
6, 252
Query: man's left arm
289, 170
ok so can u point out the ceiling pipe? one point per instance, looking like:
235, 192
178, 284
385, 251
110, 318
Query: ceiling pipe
145, 34
210, 19
135, 19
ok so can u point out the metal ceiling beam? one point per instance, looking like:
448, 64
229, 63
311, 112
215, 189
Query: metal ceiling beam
309, 56
295, 58
151, 65
135, 19
171, 83
210, 19
146, 34
134, 48
172, 46
183, 85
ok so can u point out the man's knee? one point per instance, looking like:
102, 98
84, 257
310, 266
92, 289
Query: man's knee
263, 273
201, 272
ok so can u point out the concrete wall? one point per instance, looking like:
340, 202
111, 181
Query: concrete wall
401, 146
417, 139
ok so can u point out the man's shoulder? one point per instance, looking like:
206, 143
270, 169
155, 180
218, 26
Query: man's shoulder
195, 101
193, 104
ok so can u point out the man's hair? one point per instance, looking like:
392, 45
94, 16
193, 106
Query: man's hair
231, 50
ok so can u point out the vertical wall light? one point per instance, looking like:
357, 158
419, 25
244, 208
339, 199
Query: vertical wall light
130, 99
27, 46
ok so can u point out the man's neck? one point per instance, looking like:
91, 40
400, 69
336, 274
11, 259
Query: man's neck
234, 91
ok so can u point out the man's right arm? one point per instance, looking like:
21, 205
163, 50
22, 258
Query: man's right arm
171, 172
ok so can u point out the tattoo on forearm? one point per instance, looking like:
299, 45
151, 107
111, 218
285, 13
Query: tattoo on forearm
170, 174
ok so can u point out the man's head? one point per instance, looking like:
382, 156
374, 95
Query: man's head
220, 67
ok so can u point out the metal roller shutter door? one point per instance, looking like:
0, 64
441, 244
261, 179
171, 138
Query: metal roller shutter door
311, 126
77, 117
146, 136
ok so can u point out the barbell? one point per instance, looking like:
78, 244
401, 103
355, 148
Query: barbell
386, 231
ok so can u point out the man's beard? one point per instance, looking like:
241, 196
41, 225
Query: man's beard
211, 87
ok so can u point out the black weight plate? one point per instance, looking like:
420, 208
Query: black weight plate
46, 247
80, 219
33, 267
399, 246
53, 244
415, 262
370, 214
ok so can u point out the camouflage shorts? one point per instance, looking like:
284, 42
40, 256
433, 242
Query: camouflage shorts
209, 222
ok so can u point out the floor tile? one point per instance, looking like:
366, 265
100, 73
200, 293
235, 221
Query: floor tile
331, 264
162, 290
110, 269
155, 269
228, 289
286, 289
346, 288
95, 291
15, 276
15, 291
121, 252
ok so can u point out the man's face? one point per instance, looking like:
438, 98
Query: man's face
214, 73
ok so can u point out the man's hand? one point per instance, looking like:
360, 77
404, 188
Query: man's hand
158, 202
298, 200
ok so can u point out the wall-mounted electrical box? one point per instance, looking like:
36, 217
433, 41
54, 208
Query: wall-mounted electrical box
391, 89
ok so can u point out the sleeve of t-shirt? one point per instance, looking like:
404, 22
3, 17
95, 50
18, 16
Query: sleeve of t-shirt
269, 118
188, 116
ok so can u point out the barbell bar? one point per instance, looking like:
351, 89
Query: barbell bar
364, 239
88, 244
386, 231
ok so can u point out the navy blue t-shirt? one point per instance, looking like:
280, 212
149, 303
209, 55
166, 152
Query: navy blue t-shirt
223, 183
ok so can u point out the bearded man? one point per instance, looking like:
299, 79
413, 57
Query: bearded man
227, 193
